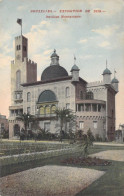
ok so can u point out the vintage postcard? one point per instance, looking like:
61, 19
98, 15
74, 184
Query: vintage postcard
61, 97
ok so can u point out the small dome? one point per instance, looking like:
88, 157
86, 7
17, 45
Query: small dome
54, 54
114, 80
74, 68
53, 72
106, 71
47, 96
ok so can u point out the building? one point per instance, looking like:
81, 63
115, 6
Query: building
4, 124
119, 134
93, 103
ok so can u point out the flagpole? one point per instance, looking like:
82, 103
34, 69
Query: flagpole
21, 29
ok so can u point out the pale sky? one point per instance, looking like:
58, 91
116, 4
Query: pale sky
92, 38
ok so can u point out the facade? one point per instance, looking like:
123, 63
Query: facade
4, 124
92, 103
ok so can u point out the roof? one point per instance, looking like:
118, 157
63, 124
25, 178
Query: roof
47, 81
114, 80
106, 71
74, 68
53, 72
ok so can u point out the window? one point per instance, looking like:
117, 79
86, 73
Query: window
67, 105
80, 107
89, 95
81, 94
95, 124
28, 110
88, 107
67, 92
24, 48
94, 107
18, 79
47, 126
81, 124
18, 47
28, 96
99, 108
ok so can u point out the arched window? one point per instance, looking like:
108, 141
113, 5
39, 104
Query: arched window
67, 92
28, 97
53, 108
89, 95
18, 79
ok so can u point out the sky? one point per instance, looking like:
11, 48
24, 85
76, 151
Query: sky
97, 35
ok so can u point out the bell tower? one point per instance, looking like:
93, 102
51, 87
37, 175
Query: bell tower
21, 48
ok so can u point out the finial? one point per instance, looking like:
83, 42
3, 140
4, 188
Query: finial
74, 60
114, 72
106, 63
54, 50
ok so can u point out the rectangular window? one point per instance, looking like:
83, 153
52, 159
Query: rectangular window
95, 124
47, 126
28, 110
67, 105
67, 92
81, 124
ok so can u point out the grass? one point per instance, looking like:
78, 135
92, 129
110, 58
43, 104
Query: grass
111, 183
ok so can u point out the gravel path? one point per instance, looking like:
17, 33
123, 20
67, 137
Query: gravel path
48, 181
115, 155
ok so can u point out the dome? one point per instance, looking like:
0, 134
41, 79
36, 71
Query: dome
114, 80
54, 54
106, 71
74, 68
47, 96
53, 72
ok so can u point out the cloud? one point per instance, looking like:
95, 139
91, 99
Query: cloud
104, 44
81, 41
106, 31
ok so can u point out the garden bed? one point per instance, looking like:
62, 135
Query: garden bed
86, 161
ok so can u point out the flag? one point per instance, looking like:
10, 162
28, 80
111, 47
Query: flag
19, 21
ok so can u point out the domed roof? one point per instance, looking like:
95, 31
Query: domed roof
74, 68
114, 80
54, 54
106, 71
47, 96
53, 72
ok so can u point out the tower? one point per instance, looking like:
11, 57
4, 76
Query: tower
115, 82
106, 75
23, 70
21, 48
75, 71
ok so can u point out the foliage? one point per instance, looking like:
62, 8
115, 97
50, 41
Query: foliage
85, 141
26, 119
66, 122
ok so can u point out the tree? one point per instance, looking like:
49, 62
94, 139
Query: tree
86, 141
26, 119
63, 116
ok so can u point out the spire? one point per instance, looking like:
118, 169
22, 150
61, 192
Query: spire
114, 73
106, 63
74, 59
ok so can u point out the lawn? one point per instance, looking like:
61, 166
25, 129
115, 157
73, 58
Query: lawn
111, 183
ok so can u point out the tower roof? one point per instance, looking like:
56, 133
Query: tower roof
106, 71
114, 80
74, 68
54, 54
